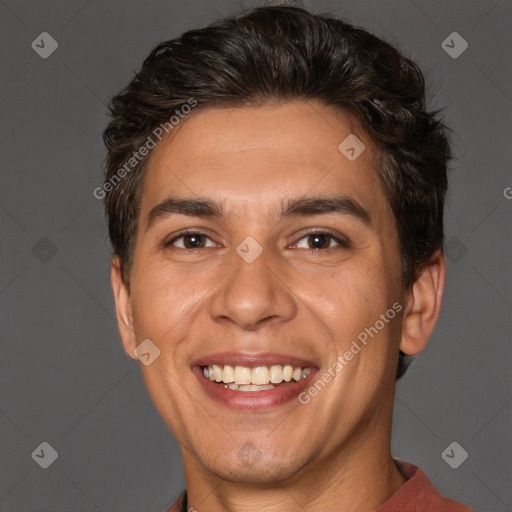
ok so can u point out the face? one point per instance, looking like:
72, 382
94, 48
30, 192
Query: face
285, 255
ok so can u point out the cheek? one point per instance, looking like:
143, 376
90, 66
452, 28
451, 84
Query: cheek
349, 302
356, 292
165, 297
158, 298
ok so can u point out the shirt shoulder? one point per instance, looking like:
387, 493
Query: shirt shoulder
180, 505
418, 494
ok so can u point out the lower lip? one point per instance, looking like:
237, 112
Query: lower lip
247, 400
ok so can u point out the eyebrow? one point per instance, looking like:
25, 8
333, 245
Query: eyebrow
298, 207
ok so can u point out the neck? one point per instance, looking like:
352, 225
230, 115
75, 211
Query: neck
360, 476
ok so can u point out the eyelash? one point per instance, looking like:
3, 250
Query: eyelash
343, 243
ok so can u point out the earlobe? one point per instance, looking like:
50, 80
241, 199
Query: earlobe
123, 308
423, 306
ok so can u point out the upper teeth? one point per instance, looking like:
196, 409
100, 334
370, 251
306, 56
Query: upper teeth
259, 375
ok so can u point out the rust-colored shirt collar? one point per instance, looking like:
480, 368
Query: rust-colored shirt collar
417, 493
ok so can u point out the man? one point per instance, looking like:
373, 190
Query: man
274, 193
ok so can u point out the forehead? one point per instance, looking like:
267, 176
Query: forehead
258, 156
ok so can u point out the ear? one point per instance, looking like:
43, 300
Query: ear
123, 308
423, 304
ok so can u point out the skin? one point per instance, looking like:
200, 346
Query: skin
334, 452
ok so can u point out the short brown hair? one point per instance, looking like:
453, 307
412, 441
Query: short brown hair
283, 53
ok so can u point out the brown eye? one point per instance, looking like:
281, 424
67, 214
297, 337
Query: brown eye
321, 240
190, 241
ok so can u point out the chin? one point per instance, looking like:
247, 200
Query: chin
251, 466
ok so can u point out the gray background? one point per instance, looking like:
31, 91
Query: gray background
65, 378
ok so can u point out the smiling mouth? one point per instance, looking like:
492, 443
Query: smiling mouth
257, 378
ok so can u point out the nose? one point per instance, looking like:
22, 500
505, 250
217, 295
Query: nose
253, 294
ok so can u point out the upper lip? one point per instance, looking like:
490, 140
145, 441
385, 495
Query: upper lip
249, 359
